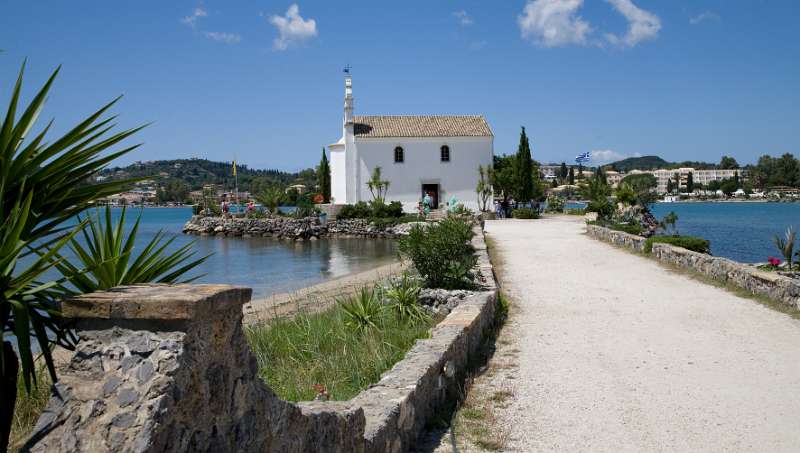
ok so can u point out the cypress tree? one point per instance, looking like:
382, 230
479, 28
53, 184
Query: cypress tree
600, 175
324, 177
690, 182
572, 175
564, 171
523, 166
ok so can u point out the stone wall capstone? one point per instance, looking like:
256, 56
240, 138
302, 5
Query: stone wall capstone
619, 238
167, 368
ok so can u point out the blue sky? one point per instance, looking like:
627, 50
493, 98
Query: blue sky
262, 80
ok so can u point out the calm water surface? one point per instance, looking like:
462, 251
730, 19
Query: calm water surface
741, 231
268, 266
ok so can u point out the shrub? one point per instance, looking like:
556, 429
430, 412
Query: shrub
786, 245
403, 296
461, 210
603, 208
575, 212
383, 210
359, 210
381, 222
441, 253
692, 243
362, 312
627, 228
555, 204
525, 213
375, 209
626, 194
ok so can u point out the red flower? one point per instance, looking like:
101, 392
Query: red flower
773, 261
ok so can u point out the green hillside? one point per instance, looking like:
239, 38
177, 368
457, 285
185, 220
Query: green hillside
196, 173
640, 163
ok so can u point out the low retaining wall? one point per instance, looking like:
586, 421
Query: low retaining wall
291, 228
168, 368
774, 286
615, 237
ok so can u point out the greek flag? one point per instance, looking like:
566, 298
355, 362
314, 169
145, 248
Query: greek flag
582, 157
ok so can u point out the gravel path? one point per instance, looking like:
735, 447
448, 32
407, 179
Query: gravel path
616, 353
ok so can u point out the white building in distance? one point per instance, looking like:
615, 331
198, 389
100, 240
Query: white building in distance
436, 154
699, 177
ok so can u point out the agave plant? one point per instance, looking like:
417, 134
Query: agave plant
403, 296
42, 185
362, 312
105, 260
785, 245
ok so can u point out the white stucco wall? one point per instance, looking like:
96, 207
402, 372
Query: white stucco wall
338, 174
423, 165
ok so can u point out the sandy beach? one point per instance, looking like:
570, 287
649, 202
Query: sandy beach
316, 297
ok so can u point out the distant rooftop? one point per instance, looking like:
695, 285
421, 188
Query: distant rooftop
421, 126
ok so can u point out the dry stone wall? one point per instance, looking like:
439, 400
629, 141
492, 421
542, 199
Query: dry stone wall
769, 284
619, 238
777, 287
167, 368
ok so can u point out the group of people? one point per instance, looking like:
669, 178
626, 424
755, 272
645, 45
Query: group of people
504, 208
426, 204
225, 207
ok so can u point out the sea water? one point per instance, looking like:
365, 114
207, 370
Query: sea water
741, 231
269, 266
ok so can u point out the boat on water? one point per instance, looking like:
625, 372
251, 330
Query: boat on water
671, 198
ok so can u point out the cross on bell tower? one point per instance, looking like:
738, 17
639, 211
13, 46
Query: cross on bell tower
348, 96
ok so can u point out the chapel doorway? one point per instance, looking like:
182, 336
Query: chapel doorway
433, 190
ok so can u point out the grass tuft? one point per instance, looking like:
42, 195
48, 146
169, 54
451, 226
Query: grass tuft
317, 349
28, 407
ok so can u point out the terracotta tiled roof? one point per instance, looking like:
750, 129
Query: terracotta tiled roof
421, 126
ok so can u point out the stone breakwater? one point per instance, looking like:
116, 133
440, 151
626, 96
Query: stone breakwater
168, 368
772, 285
308, 228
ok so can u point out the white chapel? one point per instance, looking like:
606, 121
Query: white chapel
437, 154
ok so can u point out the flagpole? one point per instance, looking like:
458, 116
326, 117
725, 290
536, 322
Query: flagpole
236, 184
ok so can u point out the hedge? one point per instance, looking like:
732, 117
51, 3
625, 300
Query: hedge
692, 243
525, 213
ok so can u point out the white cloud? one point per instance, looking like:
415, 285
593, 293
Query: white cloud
642, 25
227, 38
553, 23
191, 19
463, 17
705, 16
292, 28
605, 156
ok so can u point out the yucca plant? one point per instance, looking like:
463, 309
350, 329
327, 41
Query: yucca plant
42, 185
104, 260
362, 312
403, 296
785, 245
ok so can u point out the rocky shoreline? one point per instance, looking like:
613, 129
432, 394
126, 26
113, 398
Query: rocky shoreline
308, 228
